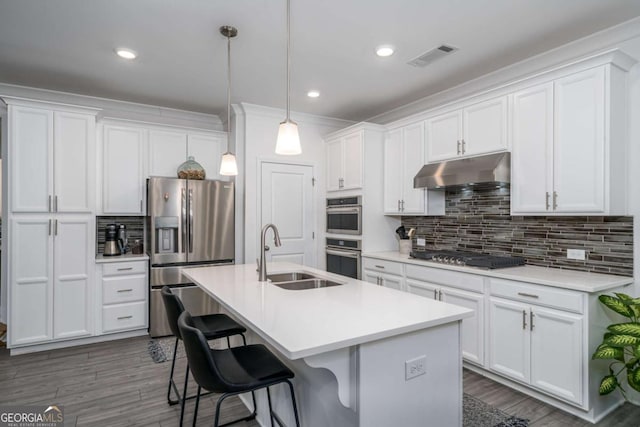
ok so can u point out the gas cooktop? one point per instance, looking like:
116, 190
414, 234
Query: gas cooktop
470, 259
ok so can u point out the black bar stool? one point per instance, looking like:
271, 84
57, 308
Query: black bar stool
232, 371
212, 326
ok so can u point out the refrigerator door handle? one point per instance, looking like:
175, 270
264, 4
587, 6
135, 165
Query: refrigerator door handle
184, 222
190, 220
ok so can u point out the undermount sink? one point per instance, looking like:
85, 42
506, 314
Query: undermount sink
300, 280
300, 285
290, 277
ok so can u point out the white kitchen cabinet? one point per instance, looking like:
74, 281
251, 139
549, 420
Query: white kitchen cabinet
52, 156
124, 302
525, 339
422, 288
383, 273
478, 128
123, 185
169, 148
50, 279
403, 158
344, 161
568, 145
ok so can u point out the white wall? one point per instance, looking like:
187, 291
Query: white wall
254, 136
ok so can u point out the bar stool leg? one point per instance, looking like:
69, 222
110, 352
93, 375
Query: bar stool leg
184, 395
195, 412
171, 383
270, 409
293, 401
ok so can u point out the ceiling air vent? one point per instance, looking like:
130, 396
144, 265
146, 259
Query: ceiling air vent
432, 55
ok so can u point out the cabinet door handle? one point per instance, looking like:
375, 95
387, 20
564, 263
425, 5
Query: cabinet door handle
531, 320
523, 294
50, 203
125, 290
55, 227
546, 202
555, 200
50, 221
140, 205
463, 146
440, 295
402, 205
458, 148
55, 203
125, 268
124, 317
435, 294
380, 266
524, 320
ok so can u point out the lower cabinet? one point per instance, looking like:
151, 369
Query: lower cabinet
383, 273
125, 290
536, 345
50, 278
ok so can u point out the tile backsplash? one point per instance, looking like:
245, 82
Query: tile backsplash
479, 220
135, 228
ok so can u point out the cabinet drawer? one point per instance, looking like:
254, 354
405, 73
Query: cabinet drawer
122, 317
469, 282
539, 295
124, 289
119, 268
382, 266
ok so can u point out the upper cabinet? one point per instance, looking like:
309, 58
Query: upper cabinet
52, 153
569, 145
344, 161
168, 149
475, 129
403, 158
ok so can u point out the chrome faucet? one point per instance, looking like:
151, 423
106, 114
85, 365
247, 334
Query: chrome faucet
262, 265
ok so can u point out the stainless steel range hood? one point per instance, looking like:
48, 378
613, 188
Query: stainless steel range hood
482, 170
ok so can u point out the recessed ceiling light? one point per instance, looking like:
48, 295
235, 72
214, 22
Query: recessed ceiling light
125, 53
313, 94
384, 50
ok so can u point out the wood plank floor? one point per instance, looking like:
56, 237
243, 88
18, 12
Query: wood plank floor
117, 384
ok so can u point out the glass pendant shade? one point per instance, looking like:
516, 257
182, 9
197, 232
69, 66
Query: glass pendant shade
288, 142
228, 165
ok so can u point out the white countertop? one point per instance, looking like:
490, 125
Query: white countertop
101, 259
566, 279
308, 322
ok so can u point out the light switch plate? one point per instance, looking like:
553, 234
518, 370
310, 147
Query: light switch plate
421, 242
415, 367
578, 254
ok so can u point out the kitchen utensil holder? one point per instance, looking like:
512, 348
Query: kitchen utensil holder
405, 246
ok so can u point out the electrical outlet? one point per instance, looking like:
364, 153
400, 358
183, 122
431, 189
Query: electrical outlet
576, 254
421, 242
415, 367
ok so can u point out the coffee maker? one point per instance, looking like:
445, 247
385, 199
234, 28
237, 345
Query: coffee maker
112, 245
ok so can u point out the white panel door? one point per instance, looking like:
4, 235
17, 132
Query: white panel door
509, 344
353, 161
485, 127
393, 282
532, 150
371, 276
556, 353
207, 150
31, 148
444, 135
334, 165
287, 202
424, 289
167, 151
393, 171
73, 305
579, 142
74, 162
472, 327
123, 179
30, 280
412, 161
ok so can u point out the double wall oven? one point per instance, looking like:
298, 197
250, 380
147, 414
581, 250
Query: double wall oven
344, 216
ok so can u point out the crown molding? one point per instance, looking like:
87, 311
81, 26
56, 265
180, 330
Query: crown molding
278, 113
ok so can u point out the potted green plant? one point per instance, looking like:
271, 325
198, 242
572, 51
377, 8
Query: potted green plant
621, 344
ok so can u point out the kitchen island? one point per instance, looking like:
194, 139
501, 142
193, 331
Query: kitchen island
363, 355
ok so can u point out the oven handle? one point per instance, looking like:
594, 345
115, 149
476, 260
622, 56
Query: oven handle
348, 254
331, 209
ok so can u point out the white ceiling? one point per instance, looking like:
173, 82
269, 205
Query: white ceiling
67, 45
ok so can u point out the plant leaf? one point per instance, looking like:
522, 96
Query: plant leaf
607, 352
622, 341
623, 297
631, 363
630, 328
616, 305
636, 351
633, 378
608, 384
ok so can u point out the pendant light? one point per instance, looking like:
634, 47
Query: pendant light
228, 165
288, 142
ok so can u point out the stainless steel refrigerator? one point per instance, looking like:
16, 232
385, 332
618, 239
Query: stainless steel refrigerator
191, 223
